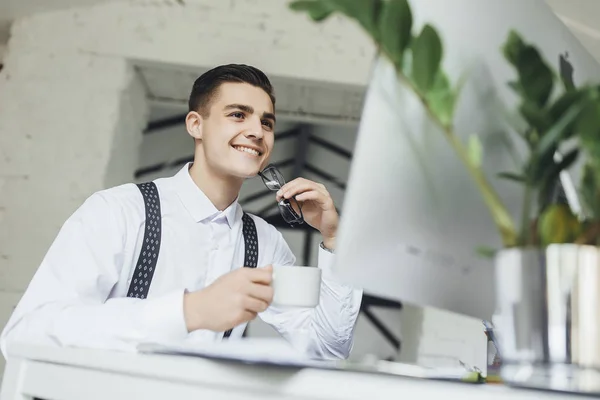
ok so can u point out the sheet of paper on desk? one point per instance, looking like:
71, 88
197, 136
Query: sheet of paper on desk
414, 371
248, 350
274, 351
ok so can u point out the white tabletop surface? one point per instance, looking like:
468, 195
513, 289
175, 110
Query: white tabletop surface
67, 373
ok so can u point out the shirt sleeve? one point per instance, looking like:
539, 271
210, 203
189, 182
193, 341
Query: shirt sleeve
326, 331
66, 302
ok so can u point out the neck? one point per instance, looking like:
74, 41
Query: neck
220, 190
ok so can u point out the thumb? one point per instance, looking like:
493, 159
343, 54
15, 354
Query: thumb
269, 267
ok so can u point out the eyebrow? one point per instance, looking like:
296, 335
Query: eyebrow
249, 110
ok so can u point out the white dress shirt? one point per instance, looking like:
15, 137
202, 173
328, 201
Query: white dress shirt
77, 297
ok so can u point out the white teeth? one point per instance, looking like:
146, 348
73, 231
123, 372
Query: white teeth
247, 150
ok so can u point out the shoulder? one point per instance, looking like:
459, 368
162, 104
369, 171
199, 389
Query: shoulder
123, 205
126, 196
129, 200
106, 212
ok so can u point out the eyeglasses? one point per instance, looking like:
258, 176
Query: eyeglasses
273, 180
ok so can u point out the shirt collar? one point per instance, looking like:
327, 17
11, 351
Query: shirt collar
195, 201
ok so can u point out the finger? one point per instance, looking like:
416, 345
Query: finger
301, 182
301, 187
324, 201
261, 292
248, 316
260, 275
255, 305
294, 183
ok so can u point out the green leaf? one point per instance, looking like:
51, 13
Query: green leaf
407, 63
561, 105
536, 79
535, 116
512, 47
566, 101
566, 78
442, 100
511, 176
589, 190
427, 57
395, 26
365, 12
589, 134
588, 127
538, 166
566, 162
555, 134
554, 169
317, 10
475, 151
558, 224
551, 176
516, 87
486, 252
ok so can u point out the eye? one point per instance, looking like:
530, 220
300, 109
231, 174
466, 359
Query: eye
237, 114
267, 123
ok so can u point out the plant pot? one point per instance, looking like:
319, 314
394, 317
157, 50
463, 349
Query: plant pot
547, 318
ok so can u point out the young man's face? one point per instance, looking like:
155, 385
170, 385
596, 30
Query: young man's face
237, 136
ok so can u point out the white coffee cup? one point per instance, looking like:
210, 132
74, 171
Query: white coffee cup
296, 286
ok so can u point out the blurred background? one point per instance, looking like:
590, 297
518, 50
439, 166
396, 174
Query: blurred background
93, 94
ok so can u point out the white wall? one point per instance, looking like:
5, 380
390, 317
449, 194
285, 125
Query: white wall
581, 17
63, 135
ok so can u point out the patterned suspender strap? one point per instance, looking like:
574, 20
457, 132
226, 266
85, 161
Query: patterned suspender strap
146, 264
250, 242
251, 248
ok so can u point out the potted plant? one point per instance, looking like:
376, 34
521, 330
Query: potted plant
548, 269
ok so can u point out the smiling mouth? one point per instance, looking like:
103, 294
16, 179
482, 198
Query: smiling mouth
247, 150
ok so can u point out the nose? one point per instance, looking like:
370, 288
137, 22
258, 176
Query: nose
254, 129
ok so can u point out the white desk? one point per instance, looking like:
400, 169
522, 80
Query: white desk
53, 373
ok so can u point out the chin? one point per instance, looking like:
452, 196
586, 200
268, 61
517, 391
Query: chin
244, 171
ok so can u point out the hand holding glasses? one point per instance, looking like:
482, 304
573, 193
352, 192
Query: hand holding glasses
273, 180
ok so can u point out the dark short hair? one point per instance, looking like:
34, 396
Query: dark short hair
206, 86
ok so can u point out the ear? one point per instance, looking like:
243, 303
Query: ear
194, 123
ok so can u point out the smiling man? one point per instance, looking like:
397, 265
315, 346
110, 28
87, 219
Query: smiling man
164, 260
